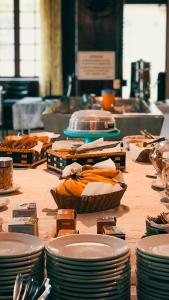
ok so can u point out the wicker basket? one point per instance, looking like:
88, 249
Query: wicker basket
89, 203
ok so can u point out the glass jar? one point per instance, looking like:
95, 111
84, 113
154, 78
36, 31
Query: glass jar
6, 173
108, 99
158, 154
165, 175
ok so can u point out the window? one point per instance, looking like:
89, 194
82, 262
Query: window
19, 38
144, 38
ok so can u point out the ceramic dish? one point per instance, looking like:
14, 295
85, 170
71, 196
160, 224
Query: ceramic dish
155, 245
89, 265
88, 247
18, 244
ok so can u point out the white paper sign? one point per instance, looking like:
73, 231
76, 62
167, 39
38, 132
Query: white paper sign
96, 65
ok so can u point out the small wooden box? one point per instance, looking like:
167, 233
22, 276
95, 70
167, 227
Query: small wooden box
66, 219
24, 210
101, 222
24, 225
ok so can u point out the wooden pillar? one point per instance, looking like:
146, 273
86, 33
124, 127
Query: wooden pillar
99, 27
167, 54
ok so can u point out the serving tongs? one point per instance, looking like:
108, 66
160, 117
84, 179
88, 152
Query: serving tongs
98, 148
154, 141
146, 134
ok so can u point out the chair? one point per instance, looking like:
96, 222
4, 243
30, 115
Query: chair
14, 91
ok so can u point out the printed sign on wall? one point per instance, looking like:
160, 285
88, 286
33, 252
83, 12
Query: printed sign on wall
96, 65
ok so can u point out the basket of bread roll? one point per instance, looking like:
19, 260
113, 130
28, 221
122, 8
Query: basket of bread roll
89, 188
25, 150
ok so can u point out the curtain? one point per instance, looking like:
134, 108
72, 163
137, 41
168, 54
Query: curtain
51, 61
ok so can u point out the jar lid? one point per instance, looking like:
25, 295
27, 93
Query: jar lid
107, 91
6, 162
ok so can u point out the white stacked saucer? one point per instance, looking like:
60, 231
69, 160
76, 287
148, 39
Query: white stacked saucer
153, 268
88, 267
19, 253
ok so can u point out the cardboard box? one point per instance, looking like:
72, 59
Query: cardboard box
66, 219
24, 225
101, 222
24, 210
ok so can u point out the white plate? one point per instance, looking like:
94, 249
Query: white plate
88, 247
12, 260
79, 279
95, 295
19, 244
93, 264
155, 245
15, 188
99, 275
86, 272
101, 285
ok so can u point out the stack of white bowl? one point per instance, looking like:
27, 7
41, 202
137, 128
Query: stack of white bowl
153, 268
88, 267
19, 254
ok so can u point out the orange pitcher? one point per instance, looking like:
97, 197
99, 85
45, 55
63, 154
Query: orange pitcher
108, 99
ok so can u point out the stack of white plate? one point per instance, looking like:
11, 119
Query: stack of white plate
88, 267
153, 268
19, 253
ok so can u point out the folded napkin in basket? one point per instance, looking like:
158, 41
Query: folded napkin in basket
100, 188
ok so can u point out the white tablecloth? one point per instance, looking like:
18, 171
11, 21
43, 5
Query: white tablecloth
27, 113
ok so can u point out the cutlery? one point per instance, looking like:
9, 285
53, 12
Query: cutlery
147, 134
76, 151
17, 287
27, 288
154, 141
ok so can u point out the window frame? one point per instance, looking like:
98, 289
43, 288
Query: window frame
17, 75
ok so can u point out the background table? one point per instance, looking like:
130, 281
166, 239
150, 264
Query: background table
138, 201
27, 113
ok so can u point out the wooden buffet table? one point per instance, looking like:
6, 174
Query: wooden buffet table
138, 201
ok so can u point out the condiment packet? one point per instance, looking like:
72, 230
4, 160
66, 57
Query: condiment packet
64, 145
100, 188
71, 169
105, 164
135, 151
96, 143
38, 147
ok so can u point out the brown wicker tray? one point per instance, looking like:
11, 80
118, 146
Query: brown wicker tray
90, 203
58, 161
